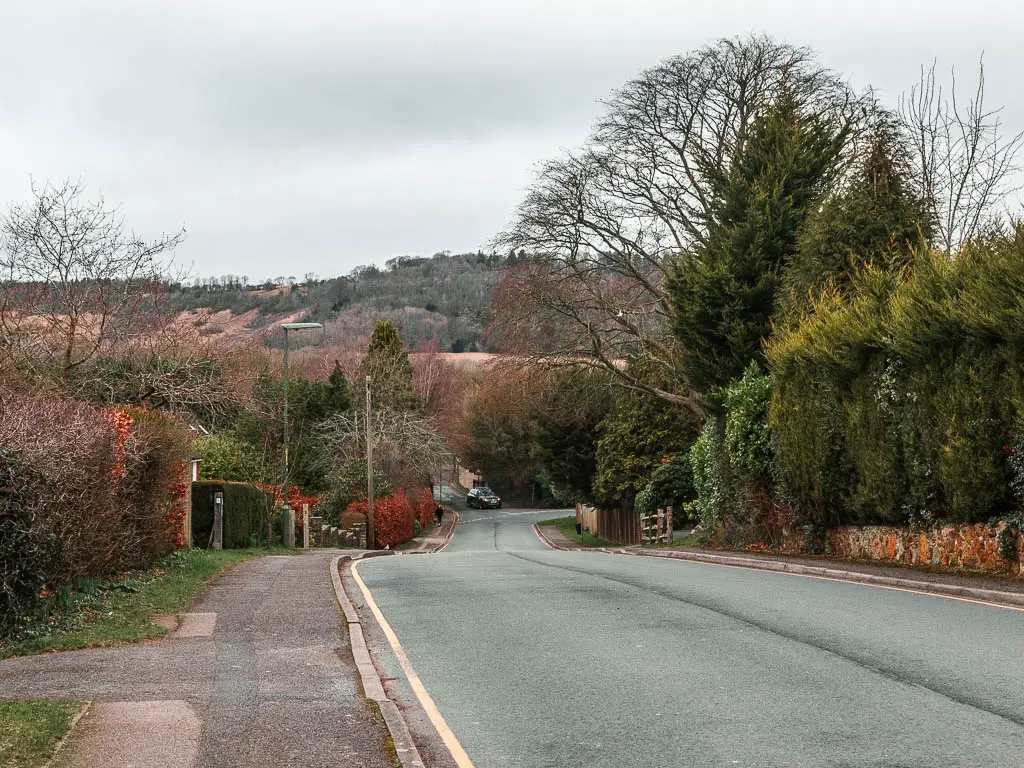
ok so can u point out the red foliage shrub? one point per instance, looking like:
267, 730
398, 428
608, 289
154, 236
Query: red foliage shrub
423, 505
351, 518
83, 492
393, 518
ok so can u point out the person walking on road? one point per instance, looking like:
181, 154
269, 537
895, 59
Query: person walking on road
439, 514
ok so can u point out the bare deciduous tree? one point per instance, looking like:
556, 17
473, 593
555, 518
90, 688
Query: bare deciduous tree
400, 438
965, 166
603, 224
72, 279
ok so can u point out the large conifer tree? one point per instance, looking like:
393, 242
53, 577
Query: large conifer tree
387, 363
723, 292
876, 217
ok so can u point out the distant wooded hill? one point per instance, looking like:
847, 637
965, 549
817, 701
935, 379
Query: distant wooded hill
445, 296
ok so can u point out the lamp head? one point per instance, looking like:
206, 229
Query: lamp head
300, 326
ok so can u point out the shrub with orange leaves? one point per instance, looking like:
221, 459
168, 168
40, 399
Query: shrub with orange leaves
86, 492
423, 506
394, 516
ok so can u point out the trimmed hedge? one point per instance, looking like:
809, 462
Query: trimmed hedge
245, 513
901, 401
84, 492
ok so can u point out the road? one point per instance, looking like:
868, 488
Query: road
543, 658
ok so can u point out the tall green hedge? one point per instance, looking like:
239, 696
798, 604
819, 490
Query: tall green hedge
732, 459
245, 513
901, 400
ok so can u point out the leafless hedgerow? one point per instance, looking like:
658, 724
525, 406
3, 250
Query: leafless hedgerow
603, 225
202, 381
75, 500
72, 279
965, 166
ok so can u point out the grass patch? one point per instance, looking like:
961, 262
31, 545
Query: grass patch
567, 525
559, 521
121, 610
587, 540
31, 730
415, 541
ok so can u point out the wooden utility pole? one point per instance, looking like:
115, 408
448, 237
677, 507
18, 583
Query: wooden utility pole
371, 541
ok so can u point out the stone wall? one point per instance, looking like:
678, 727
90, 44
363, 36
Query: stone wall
963, 547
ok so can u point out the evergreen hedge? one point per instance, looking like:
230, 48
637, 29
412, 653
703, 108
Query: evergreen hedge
900, 401
245, 513
731, 463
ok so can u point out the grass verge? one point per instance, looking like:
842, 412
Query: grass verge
559, 521
417, 540
31, 730
567, 525
122, 610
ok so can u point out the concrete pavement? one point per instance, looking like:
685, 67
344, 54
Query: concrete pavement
264, 677
544, 658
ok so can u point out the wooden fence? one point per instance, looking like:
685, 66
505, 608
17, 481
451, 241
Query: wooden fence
618, 526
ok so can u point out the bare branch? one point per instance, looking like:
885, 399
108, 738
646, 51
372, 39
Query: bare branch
964, 164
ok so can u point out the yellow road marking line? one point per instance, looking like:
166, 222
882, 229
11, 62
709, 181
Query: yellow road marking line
447, 736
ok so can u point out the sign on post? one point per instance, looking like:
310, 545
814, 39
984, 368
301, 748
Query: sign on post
218, 520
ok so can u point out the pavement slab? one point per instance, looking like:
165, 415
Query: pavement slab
263, 664
142, 734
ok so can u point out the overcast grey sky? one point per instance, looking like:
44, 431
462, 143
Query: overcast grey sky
312, 136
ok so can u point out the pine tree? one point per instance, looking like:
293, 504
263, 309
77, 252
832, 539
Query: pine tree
337, 394
387, 363
723, 293
876, 218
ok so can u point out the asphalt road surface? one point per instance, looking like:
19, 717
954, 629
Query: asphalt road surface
545, 658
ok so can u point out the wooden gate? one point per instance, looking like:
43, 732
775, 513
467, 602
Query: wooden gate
656, 528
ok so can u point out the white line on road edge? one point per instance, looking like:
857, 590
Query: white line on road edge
447, 736
701, 559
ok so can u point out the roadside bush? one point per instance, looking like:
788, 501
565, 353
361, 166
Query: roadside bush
351, 518
422, 501
345, 486
670, 485
246, 509
732, 466
706, 464
898, 401
84, 492
393, 518
156, 484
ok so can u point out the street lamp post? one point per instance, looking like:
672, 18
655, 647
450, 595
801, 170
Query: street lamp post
288, 528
